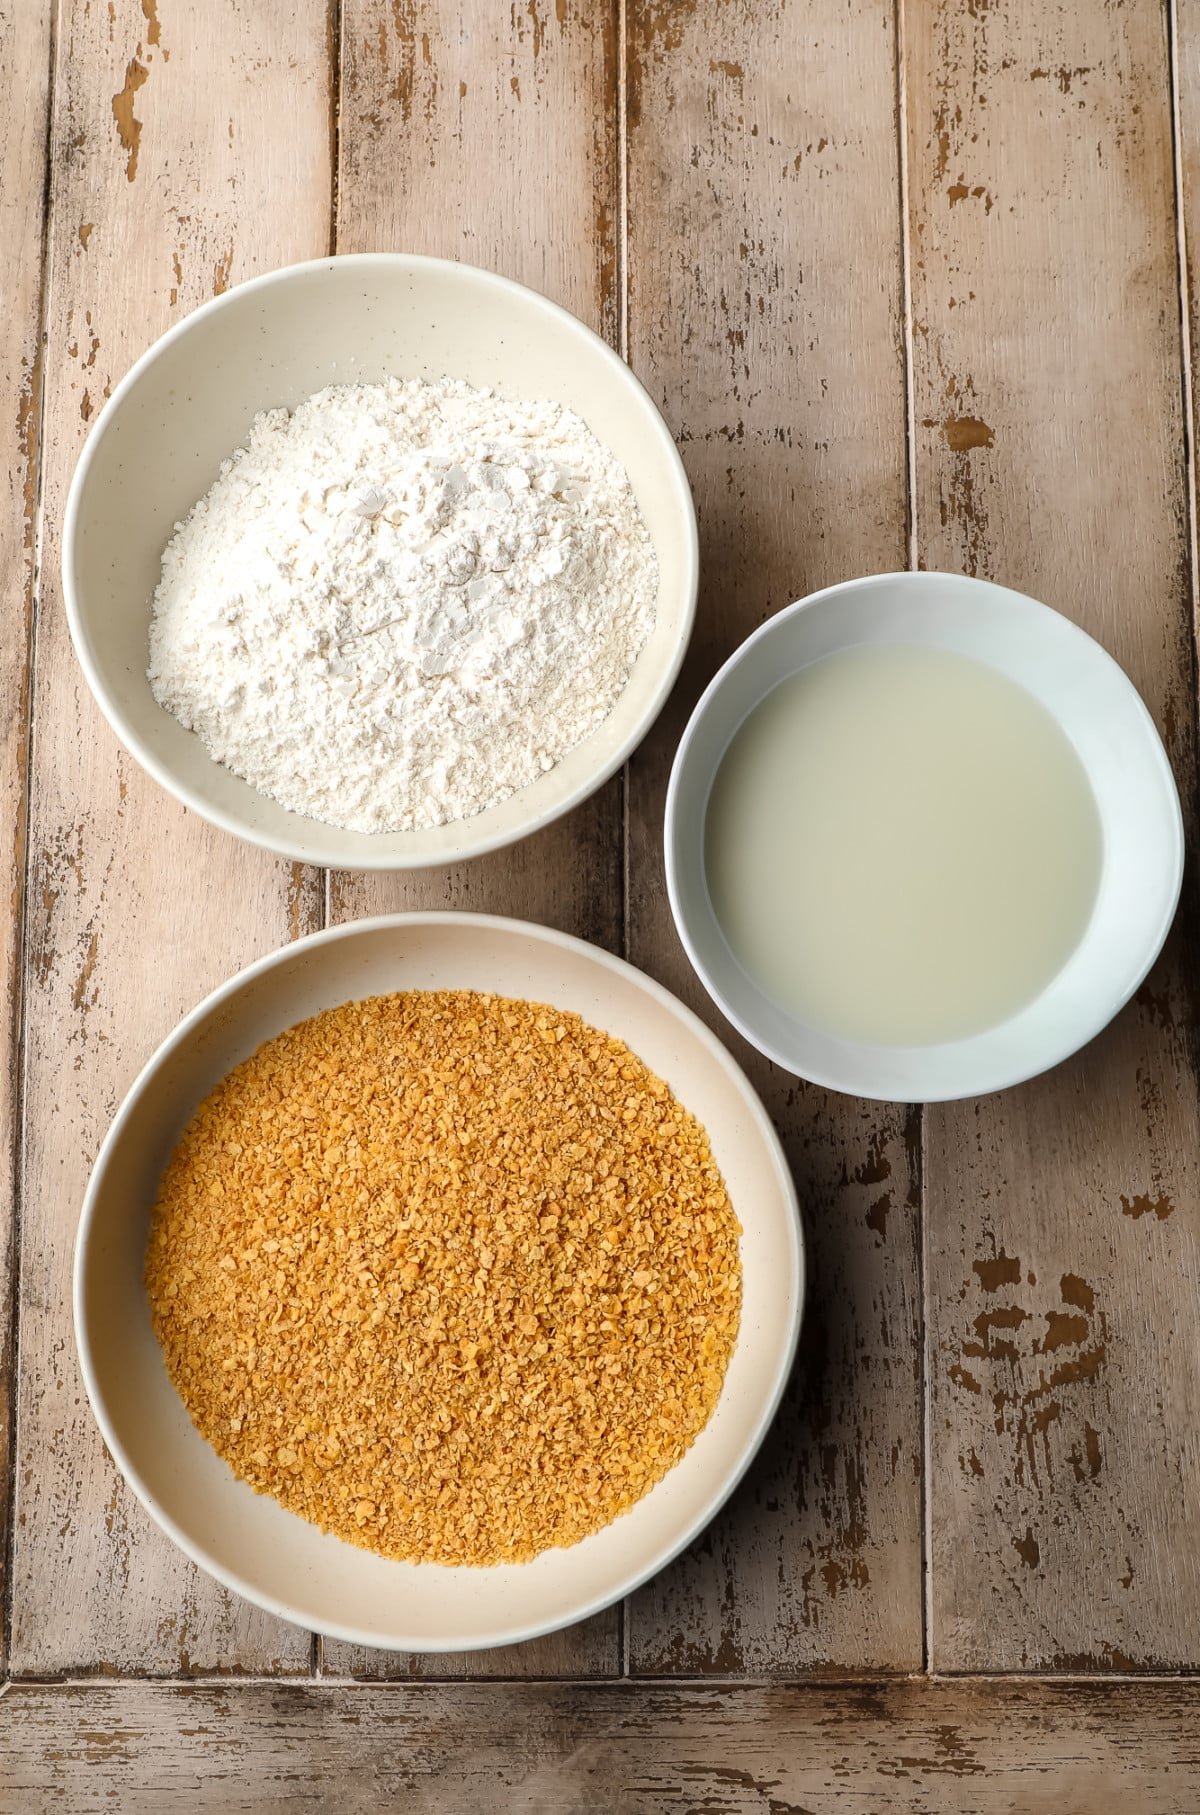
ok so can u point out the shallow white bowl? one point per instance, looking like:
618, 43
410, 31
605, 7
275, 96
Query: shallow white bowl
249, 1542
1105, 719
188, 403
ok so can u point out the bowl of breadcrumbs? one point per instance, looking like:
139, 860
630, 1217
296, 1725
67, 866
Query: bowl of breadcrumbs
437, 1281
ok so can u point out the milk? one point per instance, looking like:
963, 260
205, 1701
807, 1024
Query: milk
902, 846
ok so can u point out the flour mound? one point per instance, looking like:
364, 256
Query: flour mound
401, 602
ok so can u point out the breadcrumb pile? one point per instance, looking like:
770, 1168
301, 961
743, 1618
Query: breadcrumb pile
450, 1275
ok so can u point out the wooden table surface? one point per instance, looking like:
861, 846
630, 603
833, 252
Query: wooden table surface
912, 284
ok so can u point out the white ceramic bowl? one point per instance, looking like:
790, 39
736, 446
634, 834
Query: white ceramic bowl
189, 402
1095, 704
251, 1543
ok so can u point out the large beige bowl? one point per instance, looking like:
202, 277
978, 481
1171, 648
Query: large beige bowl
188, 402
273, 1557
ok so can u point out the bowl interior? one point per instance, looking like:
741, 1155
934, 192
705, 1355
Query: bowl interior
1105, 719
271, 1555
273, 342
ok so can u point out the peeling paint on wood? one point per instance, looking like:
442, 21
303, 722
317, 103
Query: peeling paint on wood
25, 56
763, 244
911, 1748
129, 127
1064, 1392
116, 869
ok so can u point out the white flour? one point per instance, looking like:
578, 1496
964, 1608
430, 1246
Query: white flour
401, 602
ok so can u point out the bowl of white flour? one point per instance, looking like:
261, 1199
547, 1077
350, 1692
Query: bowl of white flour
380, 561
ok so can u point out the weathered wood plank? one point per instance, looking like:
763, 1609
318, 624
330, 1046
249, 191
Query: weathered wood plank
764, 313
1062, 1217
1187, 94
589, 1650
191, 148
25, 38
912, 1748
473, 132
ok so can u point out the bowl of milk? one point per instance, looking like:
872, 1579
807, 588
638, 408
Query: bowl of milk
922, 838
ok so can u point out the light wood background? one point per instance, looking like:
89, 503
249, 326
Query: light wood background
913, 282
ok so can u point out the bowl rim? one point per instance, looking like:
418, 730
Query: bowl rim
1000, 1077
514, 1633
297, 851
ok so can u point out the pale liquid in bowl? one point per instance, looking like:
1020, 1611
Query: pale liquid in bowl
902, 846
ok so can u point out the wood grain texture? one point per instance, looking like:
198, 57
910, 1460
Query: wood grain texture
589, 1650
1185, 15
911, 1748
25, 39
489, 134
764, 314
191, 148
1063, 1217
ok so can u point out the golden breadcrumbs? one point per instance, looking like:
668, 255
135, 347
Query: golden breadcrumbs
450, 1275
